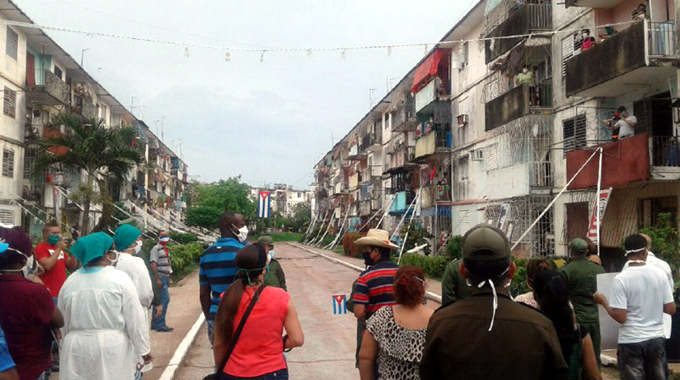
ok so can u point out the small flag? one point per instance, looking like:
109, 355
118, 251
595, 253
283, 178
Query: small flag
339, 304
264, 204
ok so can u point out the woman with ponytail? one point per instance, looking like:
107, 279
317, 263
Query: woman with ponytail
258, 351
395, 335
551, 294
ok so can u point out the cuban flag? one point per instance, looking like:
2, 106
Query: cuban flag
339, 304
264, 204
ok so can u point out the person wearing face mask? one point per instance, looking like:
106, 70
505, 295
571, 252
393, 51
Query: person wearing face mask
27, 312
54, 259
374, 287
276, 276
159, 258
217, 269
105, 325
128, 240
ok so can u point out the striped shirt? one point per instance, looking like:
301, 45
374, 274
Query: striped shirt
218, 269
374, 287
159, 255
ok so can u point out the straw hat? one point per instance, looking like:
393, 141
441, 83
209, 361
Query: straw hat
377, 238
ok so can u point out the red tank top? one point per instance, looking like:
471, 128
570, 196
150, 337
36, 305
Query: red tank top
259, 350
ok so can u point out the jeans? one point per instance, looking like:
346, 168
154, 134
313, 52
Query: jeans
643, 361
278, 375
211, 331
159, 323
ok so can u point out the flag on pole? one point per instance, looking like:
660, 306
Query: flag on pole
264, 204
602, 200
339, 304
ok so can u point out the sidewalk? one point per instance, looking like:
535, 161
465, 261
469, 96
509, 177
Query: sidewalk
433, 285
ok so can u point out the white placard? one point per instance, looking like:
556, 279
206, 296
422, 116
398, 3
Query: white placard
609, 328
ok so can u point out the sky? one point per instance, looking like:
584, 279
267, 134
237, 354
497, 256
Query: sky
269, 119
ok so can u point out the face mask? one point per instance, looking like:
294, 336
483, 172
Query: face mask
114, 260
138, 248
525, 71
164, 240
266, 275
242, 234
53, 239
272, 254
367, 258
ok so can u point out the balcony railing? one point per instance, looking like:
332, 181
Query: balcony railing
663, 39
665, 151
434, 142
519, 101
518, 20
541, 174
48, 89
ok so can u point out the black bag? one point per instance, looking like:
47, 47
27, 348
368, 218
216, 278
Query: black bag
237, 334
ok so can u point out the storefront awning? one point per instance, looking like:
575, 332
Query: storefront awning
427, 70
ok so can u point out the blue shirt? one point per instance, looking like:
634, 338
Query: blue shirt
218, 269
6, 361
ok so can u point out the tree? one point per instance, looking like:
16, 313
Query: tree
302, 215
102, 154
212, 200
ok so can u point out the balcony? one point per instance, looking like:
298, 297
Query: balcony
519, 21
625, 61
404, 118
608, 4
541, 174
436, 195
402, 200
48, 90
518, 102
432, 92
437, 144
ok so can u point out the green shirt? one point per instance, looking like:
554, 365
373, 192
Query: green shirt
582, 284
276, 277
454, 286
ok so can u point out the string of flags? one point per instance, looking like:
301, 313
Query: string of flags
388, 48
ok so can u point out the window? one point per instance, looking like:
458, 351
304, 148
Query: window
465, 50
650, 208
12, 43
10, 102
29, 158
7, 217
8, 163
58, 73
574, 133
569, 49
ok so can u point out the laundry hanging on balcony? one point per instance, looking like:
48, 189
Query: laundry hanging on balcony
427, 70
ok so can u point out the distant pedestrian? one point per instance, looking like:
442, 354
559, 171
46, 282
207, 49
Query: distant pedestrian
53, 258
27, 311
159, 259
374, 287
8, 370
105, 330
395, 335
217, 269
550, 291
668, 275
276, 276
640, 296
488, 336
257, 353
581, 276
454, 287
534, 267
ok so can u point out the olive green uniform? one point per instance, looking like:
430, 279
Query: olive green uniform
454, 286
582, 284
276, 277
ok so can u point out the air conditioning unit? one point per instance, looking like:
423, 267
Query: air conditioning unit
462, 120
477, 155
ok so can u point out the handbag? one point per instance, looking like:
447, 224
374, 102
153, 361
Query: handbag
237, 334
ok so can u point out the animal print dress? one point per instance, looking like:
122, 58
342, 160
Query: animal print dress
400, 349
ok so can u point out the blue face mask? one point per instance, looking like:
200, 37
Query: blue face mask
272, 254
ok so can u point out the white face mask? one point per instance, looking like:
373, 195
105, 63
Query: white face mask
242, 234
138, 248
272, 254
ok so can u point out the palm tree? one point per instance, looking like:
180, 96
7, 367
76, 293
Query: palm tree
103, 154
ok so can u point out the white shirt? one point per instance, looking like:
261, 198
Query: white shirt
105, 326
625, 129
641, 291
135, 268
657, 262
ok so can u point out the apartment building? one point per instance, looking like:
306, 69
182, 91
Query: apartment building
495, 121
284, 198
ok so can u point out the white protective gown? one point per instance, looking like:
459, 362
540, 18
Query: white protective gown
135, 268
105, 326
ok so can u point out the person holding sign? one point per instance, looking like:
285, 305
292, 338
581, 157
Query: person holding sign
640, 296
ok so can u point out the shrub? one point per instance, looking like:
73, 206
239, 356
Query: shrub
327, 240
182, 256
433, 266
348, 244
454, 247
183, 238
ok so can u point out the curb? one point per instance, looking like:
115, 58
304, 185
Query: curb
182, 349
429, 295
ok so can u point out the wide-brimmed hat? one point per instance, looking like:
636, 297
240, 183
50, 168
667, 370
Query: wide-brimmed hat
377, 238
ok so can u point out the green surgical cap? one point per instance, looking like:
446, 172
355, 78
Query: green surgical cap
126, 235
91, 247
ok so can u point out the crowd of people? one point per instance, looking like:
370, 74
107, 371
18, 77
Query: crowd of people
101, 310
